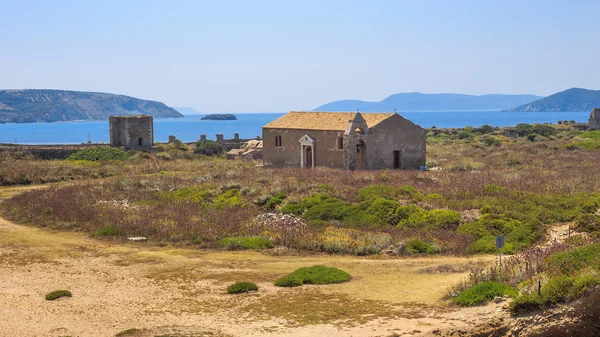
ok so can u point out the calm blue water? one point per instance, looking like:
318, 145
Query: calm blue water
188, 129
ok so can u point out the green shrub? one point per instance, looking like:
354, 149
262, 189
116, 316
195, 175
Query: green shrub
273, 202
241, 287
325, 209
491, 141
557, 289
57, 294
525, 304
432, 220
416, 246
588, 223
465, 135
582, 283
591, 145
229, 198
313, 275
483, 292
485, 128
377, 191
208, 148
595, 135
177, 145
99, 154
381, 212
570, 262
532, 137
293, 208
251, 242
409, 192
108, 231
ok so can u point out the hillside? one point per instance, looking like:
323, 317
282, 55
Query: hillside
186, 110
574, 99
28, 106
416, 101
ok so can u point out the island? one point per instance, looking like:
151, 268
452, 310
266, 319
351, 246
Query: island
219, 117
41, 105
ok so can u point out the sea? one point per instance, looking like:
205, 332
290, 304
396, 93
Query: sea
248, 125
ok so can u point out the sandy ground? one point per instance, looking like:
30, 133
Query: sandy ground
168, 291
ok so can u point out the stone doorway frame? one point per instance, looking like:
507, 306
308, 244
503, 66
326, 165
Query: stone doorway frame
307, 141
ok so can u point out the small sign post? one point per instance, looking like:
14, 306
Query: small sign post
499, 246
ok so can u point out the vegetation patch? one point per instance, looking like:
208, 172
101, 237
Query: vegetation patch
483, 292
208, 148
56, 294
252, 242
241, 287
99, 154
108, 231
571, 262
127, 332
313, 275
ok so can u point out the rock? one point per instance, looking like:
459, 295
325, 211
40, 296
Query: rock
137, 239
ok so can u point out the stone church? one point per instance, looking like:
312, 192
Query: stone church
349, 140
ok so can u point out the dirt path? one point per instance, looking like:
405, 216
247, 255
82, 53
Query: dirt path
180, 292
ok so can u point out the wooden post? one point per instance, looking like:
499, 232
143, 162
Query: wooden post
500, 264
539, 287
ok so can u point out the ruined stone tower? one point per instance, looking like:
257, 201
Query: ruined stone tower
132, 131
595, 119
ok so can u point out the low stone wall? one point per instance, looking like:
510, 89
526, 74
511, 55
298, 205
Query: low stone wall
46, 152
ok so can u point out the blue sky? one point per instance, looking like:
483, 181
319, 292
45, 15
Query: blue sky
279, 55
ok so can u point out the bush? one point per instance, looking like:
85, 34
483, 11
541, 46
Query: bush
432, 220
570, 262
293, 208
485, 128
252, 242
58, 294
409, 192
241, 287
465, 135
417, 246
557, 289
491, 141
313, 275
381, 212
525, 304
588, 223
372, 192
208, 148
109, 231
99, 154
483, 292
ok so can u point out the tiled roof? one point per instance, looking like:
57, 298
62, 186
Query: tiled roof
310, 120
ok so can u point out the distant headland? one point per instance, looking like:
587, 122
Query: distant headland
416, 101
40, 105
219, 117
574, 99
